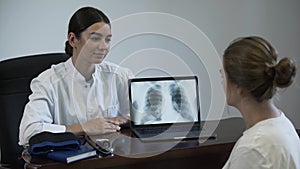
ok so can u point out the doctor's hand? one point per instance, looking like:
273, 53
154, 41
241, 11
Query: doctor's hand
124, 121
100, 126
95, 126
120, 119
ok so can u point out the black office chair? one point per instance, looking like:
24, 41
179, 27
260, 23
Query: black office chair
15, 77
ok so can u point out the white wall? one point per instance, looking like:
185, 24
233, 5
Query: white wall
37, 26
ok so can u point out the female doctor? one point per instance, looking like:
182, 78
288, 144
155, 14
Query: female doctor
85, 94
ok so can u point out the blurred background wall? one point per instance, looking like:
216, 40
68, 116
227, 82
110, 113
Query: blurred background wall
192, 34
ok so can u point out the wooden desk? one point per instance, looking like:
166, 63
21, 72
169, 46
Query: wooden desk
132, 153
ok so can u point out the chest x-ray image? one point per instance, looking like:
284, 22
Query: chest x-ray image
180, 102
164, 102
154, 100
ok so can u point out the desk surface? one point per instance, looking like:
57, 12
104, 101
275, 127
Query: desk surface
130, 152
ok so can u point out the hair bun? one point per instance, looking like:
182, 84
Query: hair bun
68, 48
285, 72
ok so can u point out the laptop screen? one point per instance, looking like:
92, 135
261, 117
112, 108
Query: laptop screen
164, 100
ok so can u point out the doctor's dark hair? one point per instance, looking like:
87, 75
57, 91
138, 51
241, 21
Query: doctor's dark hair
251, 63
81, 20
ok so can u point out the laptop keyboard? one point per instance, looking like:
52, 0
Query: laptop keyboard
159, 130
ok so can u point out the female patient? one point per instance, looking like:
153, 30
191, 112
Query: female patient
251, 75
84, 94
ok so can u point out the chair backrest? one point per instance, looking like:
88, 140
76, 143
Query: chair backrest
15, 77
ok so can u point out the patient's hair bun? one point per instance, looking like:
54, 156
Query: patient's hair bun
285, 72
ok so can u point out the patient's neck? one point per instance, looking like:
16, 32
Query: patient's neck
254, 112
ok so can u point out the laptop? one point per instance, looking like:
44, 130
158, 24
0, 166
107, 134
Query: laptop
165, 108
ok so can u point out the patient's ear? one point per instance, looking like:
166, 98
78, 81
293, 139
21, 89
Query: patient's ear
242, 92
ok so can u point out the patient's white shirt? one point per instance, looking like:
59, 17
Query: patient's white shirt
271, 143
61, 96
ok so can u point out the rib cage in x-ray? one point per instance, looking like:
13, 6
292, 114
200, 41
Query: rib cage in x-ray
153, 104
180, 101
